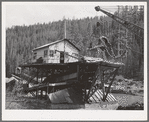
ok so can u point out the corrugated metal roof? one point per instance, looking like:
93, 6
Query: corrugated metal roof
46, 45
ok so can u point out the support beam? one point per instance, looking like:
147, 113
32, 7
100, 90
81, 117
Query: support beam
94, 98
78, 72
115, 72
97, 73
41, 75
103, 85
41, 93
85, 80
107, 78
37, 93
93, 92
37, 75
101, 78
47, 90
21, 75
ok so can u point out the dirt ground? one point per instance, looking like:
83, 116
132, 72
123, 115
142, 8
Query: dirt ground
15, 102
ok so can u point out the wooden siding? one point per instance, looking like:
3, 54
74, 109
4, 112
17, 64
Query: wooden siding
61, 46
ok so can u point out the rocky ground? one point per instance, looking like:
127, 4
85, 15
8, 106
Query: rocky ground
125, 100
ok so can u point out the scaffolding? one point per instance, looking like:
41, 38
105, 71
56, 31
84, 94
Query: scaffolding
88, 78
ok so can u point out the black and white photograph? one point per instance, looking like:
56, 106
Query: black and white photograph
74, 60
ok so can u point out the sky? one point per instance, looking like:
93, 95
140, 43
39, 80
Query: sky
29, 13
33, 13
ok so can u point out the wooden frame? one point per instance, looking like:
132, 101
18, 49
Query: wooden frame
97, 69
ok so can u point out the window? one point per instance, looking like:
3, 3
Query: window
51, 53
45, 53
35, 56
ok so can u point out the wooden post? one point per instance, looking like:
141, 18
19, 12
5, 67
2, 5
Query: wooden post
37, 93
53, 89
47, 91
37, 75
41, 75
84, 83
37, 98
103, 85
84, 91
78, 68
21, 79
22, 74
41, 93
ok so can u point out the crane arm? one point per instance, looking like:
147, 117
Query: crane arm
138, 31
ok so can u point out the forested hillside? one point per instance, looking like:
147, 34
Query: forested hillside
20, 40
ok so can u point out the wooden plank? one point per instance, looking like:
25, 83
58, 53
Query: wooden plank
96, 98
109, 95
93, 98
93, 91
65, 77
41, 65
62, 83
99, 94
113, 97
96, 94
109, 98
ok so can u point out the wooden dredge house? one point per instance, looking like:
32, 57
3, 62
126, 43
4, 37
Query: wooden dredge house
62, 76
54, 52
